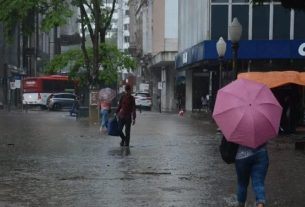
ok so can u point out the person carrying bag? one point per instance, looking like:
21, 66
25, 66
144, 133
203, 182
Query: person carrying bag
126, 113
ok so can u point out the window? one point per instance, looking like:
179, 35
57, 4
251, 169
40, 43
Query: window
219, 24
299, 29
261, 22
242, 14
126, 26
240, 1
126, 39
281, 23
220, 1
127, 12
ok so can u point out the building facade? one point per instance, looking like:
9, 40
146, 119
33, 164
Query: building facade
123, 23
272, 39
155, 45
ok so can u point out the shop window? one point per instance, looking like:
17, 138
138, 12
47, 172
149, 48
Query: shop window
299, 29
219, 21
260, 29
281, 23
242, 13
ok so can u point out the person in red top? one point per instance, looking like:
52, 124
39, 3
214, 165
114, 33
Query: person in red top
126, 113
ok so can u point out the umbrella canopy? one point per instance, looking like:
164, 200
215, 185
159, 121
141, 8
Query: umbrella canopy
247, 113
106, 94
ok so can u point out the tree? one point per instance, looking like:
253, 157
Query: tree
290, 4
19, 12
95, 19
73, 60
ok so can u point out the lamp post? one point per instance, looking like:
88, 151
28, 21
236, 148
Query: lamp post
221, 47
235, 30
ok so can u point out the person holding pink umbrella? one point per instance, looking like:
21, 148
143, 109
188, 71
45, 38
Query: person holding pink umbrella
249, 115
105, 95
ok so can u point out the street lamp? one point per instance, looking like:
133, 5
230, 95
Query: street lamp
235, 30
221, 47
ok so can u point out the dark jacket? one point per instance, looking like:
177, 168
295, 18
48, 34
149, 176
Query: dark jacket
127, 107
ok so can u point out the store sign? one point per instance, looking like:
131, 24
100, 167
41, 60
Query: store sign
160, 85
12, 85
17, 83
302, 49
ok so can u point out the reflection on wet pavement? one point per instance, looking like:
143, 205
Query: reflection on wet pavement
51, 159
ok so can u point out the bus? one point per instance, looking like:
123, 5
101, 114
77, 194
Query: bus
36, 90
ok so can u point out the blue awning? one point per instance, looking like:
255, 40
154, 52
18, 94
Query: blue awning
248, 49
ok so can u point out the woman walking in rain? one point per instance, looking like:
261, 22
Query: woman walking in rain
249, 115
105, 107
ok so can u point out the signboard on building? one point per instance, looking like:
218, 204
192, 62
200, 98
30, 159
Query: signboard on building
93, 98
17, 83
301, 49
160, 85
12, 85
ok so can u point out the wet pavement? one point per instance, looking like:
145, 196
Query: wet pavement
52, 159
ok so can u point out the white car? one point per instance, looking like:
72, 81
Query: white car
143, 100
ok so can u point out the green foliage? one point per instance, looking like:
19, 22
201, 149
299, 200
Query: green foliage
56, 14
22, 12
111, 62
95, 19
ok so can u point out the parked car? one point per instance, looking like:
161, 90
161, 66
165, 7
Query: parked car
58, 101
143, 100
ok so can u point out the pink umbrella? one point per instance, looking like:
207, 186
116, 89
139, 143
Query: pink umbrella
247, 113
106, 94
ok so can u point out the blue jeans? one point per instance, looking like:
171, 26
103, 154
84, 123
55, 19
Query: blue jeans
104, 118
256, 167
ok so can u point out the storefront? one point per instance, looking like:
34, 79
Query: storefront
253, 55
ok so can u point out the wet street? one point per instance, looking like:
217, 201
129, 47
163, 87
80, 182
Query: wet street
52, 159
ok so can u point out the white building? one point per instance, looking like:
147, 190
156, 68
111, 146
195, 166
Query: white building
119, 29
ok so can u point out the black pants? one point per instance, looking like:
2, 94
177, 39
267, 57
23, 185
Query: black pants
127, 123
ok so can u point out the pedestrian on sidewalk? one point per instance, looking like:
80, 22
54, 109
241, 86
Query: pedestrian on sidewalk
104, 107
251, 163
204, 104
75, 107
126, 113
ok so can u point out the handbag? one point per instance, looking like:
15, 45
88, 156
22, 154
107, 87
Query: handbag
228, 150
113, 127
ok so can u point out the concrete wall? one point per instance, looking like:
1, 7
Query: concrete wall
158, 26
170, 89
147, 28
171, 25
189, 90
193, 22
165, 25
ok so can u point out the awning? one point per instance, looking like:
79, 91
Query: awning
275, 78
